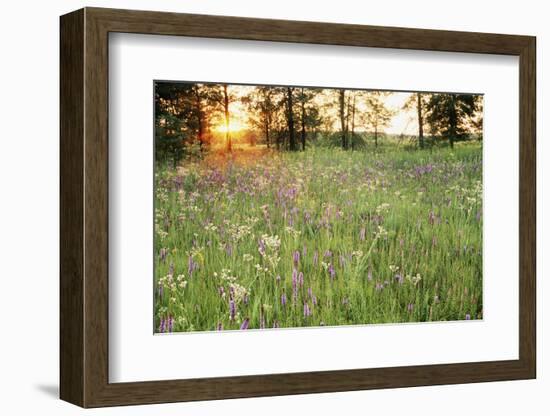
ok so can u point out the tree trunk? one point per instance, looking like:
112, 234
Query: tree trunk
303, 120
292, 138
228, 144
342, 102
266, 127
353, 124
452, 121
375, 136
420, 120
199, 120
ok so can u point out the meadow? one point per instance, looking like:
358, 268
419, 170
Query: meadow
260, 239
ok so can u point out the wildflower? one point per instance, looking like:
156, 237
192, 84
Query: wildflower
399, 278
162, 326
307, 311
161, 290
275, 324
245, 323
221, 291
331, 271
191, 266
232, 309
283, 299
468, 317
296, 257
301, 279
163, 253
170, 323
410, 307
247, 257
219, 327
171, 269
261, 247
278, 279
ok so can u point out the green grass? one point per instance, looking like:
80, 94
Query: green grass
404, 229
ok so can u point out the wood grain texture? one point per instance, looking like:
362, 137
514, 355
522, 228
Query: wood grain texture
84, 207
71, 184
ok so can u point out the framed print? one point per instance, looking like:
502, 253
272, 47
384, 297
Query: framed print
261, 207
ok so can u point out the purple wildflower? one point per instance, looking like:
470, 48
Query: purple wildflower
232, 309
301, 279
162, 326
328, 253
296, 257
399, 278
245, 323
261, 247
171, 269
191, 266
331, 271
468, 317
163, 253
283, 299
219, 327
161, 290
379, 286
314, 300
170, 323
221, 290
294, 286
307, 311
410, 307
309, 292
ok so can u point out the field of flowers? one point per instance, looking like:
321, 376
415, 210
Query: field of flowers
324, 237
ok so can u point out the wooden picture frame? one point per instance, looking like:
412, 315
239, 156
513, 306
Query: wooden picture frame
84, 207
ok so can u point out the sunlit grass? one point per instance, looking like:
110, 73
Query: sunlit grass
322, 237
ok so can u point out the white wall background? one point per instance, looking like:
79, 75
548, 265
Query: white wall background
29, 159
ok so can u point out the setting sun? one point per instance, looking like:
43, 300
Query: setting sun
234, 126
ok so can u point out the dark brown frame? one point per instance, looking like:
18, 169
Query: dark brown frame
84, 208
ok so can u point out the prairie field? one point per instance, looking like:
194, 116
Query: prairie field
257, 239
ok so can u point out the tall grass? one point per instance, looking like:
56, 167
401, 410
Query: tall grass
261, 239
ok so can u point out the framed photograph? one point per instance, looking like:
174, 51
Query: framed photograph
256, 207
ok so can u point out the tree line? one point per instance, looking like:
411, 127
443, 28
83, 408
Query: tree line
288, 118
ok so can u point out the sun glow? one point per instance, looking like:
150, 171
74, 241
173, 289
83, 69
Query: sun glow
234, 126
